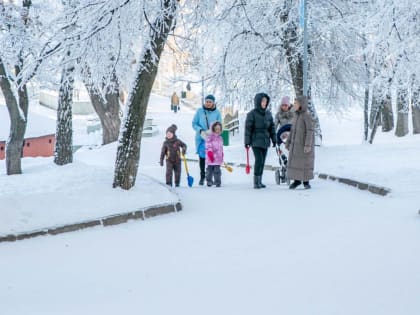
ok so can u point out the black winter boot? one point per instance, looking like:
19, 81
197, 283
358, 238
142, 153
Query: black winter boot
202, 178
306, 185
257, 184
295, 184
261, 184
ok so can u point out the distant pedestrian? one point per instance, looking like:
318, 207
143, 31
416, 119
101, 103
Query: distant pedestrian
300, 144
259, 129
203, 119
174, 102
171, 152
214, 155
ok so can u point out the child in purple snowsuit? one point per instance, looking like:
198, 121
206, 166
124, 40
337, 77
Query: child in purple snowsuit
214, 155
171, 152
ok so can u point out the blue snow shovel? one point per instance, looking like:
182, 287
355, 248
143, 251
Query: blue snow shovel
190, 179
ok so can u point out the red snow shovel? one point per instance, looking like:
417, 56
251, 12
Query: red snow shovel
247, 167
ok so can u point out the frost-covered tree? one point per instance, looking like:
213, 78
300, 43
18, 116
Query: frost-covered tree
392, 28
98, 37
354, 46
128, 153
16, 25
94, 41
257, 45
63, 152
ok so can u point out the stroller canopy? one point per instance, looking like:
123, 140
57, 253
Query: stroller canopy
282, 129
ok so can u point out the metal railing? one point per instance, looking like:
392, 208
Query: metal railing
232, 126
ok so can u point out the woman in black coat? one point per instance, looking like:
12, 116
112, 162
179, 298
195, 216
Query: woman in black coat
259, 129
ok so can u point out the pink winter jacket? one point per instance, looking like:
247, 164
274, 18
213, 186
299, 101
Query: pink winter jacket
214, 143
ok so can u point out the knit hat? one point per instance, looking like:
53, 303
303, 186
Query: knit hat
285, 100
210, 97
172, 129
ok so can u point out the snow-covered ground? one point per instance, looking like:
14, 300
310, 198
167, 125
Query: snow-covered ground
233, 250
42, 121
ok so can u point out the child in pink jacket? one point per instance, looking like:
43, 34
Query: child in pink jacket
214, 155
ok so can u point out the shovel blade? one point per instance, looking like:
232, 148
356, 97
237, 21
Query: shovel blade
190, 180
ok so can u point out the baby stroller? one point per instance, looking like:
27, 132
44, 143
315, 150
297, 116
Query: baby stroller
281, 173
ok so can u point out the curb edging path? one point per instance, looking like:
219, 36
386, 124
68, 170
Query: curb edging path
141, 214
372, 188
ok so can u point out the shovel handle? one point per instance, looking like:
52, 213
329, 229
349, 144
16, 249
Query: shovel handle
185, 162
248, 167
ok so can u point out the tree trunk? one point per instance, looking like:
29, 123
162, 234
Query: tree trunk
402, 116
18, 113
366, 114
367, 85
128, 153
375, 114
415, 108
107, 110
374, 108
64, 133
381, 109
387, 114
375, 124
293, 56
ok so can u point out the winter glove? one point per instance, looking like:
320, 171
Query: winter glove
184, 152
246, 146
274, 144
161, 163
203, 134
210, 155
306, 149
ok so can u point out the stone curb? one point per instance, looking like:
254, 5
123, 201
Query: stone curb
116, 219
374, 189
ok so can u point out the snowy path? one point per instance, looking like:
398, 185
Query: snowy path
233, 250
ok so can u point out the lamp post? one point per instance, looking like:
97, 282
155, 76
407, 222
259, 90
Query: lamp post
202, 75
202, 89
304, 21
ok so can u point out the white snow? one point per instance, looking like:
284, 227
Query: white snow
233, 250
38, 125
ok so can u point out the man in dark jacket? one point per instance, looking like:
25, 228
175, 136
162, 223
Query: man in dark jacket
259, 129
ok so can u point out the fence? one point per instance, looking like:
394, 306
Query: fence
232, 125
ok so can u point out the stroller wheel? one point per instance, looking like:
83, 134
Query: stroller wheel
277, 176
286, 178
283, 176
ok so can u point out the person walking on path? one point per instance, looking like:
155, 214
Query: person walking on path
203, 119
174, 102
284, 114
214, 155
259, 129
300, 144
171, 151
